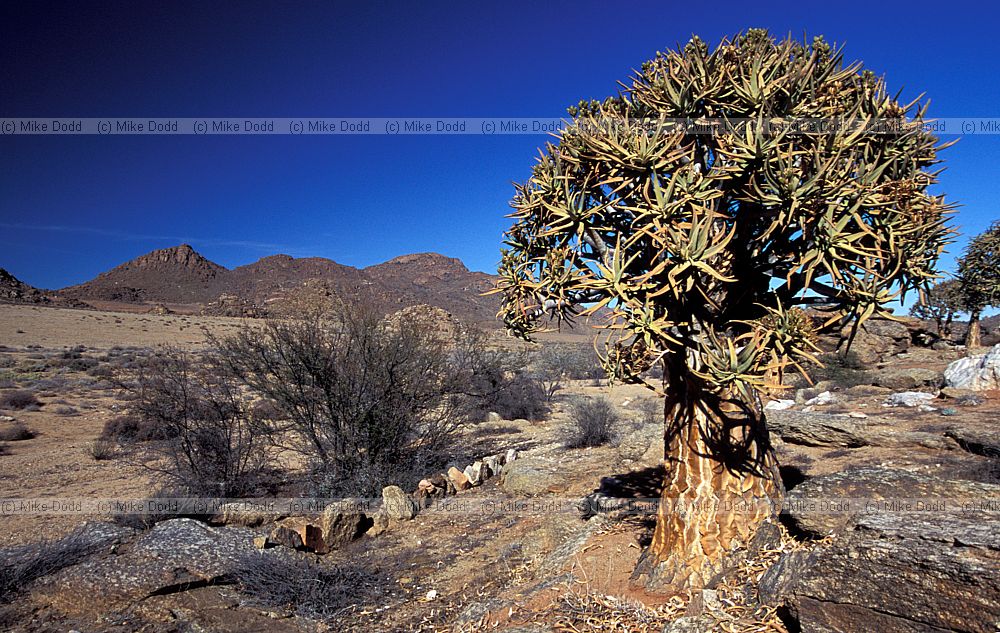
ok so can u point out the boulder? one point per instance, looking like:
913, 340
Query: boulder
979, 372
458, 479
474, 473
877, 339
244, 515
976, 441
174, 554
909, 379
779, 405
300, 533
817, 429
821, 399
897, 571
528, 477
832, 503
494, 463
380, 523
510, 455
909, 399
398, 505
343, 522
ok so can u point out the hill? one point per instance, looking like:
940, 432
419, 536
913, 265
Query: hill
185, 281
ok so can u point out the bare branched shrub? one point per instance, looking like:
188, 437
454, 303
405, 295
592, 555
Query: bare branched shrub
212, 444
496, 379
592, 422
311, 589
22, 565
366, 399
18, 399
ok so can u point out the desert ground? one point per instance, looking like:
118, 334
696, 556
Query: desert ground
515, 551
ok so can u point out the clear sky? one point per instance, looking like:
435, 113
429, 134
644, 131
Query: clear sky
73, 206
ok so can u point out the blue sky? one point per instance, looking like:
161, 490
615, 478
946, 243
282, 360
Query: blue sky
73, 206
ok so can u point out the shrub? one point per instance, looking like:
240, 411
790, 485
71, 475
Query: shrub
495, 379
311, 589
362, 397
65, 410
102, 449
18, 399
592, 422
15, 432
212, 446
843, 370
23, 565
6, 362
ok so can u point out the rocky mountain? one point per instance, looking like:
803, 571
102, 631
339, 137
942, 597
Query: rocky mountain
183, 279
14, 290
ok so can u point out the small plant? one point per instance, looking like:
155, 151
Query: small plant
65, 410
18, 399
15, 432
593, 422
102, 449
842, 370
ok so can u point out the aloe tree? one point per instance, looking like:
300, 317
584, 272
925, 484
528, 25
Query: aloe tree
979, 278
700, 247
940, 304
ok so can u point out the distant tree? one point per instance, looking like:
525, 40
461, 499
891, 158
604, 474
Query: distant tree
979, 278
941, 303
699, 245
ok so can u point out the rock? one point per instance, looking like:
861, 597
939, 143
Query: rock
443, 485
260, 542
954, 392
527, 477
632, 446
458, 479
909, 379
173, 555
832, 503
908, 399
971, 400
817, 429
398, 505
300, 533
942, 346
510, 455
7, 418
493, 464
380, 523
779, 405
244, 515
877, 339
949, 411
474, 473
979, 372
494, 417
867, 390
977, 442
343, 522
898, 571
822, 398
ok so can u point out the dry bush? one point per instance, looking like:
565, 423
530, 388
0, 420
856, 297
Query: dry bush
22, 565
18, 399
102, 449
312, 589
368, 401
15, 432
212, 445
592, 422
496, 380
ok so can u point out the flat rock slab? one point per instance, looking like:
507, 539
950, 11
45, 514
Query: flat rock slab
174, 555
833, 503
897, 572
818, 429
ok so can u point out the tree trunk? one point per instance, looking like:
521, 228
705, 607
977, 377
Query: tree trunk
973, 338
720, 486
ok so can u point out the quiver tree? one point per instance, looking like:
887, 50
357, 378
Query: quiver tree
940, 304
700, 247
979, 279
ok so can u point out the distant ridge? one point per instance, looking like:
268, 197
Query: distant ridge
186, 281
